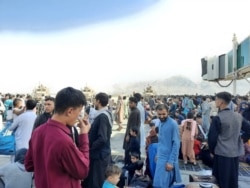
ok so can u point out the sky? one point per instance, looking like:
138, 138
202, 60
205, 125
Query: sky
100, 43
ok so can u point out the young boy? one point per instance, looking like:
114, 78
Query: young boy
112, 174
128, 170
134, 142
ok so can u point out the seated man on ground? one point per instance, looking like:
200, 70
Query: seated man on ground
14, 174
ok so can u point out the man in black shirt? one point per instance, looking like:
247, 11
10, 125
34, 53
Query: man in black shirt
49, 105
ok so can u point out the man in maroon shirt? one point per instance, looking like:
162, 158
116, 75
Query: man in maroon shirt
53, 156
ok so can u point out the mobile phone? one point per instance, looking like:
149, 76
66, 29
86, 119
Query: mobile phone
81, 115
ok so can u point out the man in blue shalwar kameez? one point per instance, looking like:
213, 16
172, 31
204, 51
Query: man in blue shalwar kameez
167, 169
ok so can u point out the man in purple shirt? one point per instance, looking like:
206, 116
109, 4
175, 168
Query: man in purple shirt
53, 156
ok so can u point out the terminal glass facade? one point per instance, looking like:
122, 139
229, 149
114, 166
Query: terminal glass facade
230, 61
243, 54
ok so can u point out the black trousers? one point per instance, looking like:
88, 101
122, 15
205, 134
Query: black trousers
226, 170
96, 175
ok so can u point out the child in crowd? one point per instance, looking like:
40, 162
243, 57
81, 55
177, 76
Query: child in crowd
188, 133
112, 174
133, 145
128, 170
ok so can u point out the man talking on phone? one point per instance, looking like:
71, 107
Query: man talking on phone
99, 139
53, 156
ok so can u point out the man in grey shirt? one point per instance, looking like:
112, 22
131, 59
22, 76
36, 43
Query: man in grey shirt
23, 125
229, 144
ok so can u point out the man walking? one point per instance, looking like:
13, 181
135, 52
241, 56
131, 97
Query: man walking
167, 169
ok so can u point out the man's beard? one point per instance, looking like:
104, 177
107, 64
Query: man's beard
163, 119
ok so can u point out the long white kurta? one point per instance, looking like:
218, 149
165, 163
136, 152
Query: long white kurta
142, 132
167, 152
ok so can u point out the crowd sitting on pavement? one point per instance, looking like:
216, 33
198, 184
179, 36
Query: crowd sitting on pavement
81, 153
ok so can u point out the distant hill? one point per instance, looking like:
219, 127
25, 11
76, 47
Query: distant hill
179, 85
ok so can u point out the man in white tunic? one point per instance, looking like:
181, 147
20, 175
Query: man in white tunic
142, 113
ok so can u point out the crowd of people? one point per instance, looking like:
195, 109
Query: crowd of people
64, 149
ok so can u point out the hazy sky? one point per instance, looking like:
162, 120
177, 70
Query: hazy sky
103, 42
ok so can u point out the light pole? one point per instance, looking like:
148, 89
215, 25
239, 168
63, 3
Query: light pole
235, 46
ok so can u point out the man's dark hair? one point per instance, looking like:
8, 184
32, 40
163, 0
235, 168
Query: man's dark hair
213, 98
69, 97
138, 96
190, 115
225, 96
151, 124
103, 98
178, 111
49, 98
135, 154
87, 109
15, 101
199, 115
133, 99
139, 165
20, 155
30, 104
162, 107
